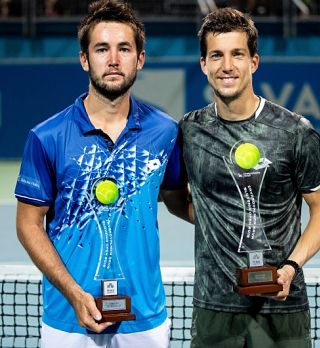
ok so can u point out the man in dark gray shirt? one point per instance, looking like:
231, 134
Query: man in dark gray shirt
250, 163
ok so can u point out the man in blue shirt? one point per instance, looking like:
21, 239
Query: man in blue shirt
107, 137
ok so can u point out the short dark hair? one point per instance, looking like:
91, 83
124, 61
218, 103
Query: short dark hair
110, 11
225, 20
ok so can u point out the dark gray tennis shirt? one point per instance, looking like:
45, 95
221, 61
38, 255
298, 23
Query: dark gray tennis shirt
289, 166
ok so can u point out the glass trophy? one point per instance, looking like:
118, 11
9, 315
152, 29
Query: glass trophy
248, 168
105, 199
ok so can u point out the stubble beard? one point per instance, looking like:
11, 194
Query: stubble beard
227, 98
112, 92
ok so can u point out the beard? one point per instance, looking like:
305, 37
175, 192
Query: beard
109, 91
227, 98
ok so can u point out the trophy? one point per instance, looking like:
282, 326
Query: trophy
248, 168
104, 199
113, 307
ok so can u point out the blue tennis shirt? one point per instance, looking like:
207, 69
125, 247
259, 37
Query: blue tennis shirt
64, 159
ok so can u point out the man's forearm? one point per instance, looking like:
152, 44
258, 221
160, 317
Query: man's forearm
178, 203
45, 257
309, 242
35, 240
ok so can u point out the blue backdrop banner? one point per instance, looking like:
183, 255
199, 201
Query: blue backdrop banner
30, 93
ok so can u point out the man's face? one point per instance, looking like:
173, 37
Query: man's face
112, 60
228, 65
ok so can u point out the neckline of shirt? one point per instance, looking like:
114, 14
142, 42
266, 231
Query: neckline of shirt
255, 115
86, 126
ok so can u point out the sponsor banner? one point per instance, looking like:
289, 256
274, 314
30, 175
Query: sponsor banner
33, 92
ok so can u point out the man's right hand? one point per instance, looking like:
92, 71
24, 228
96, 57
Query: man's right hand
31, 233
87, 312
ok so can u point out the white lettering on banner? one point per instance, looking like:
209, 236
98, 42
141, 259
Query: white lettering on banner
284, 96
306, 102
208, 94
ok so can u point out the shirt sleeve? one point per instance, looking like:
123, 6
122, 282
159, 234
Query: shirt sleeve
35, 180
308, 160
175, 176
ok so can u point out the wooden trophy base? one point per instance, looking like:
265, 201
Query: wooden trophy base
259, 289
257, 280
115, 308
115, 317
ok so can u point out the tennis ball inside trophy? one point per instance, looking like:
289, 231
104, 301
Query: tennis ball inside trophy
247, 156
107, 192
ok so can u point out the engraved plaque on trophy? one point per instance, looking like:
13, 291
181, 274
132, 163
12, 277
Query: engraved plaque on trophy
257, 278
106, 205
113, 307
248, 169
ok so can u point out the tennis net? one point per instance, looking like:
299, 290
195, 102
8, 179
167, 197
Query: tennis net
21, 307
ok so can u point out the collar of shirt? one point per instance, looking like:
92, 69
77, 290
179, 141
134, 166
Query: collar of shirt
86, 126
